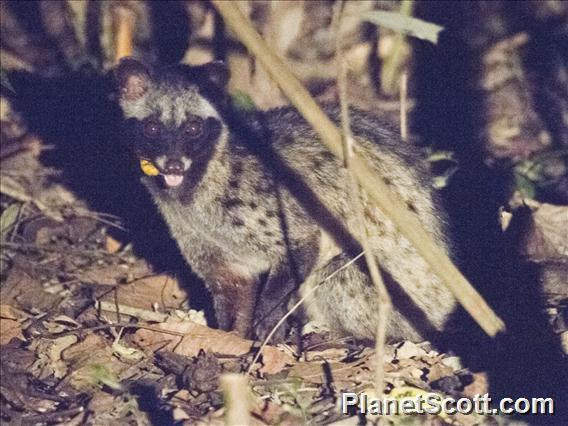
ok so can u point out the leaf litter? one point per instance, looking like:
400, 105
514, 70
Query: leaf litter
90, 332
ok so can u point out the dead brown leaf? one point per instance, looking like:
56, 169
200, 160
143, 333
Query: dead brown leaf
437, 371
345, 374
408, 349
11, 323
112, 245
92, 343
88, 360
21, 289
9, 329
479, 386
104, 275
9, 312
197, 337
275, 414
163, 291
48, 352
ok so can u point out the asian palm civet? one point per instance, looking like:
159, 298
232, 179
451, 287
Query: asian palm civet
259, 207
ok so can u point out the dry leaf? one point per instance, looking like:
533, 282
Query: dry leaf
479, 386
10, 328
112, 245
437, 371
20, 289
345, 374
275, 414
92, 361
11, 313
408, 349
145, 293
197, 337
49, 359
454, 362
84, 349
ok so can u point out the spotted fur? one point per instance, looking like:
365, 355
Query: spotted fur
264, 212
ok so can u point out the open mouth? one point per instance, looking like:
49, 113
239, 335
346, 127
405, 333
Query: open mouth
172, 180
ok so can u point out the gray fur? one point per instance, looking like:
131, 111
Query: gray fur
170, 104
247, 227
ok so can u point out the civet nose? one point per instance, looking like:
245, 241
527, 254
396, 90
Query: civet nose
173, 167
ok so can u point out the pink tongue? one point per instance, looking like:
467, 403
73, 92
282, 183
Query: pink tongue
173, 180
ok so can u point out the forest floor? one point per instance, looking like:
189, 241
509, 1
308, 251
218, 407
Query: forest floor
91, 333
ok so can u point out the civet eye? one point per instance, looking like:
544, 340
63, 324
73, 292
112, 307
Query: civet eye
194, 128
151, 129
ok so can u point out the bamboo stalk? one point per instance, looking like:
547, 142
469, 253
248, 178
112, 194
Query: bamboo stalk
124, 21
377, 190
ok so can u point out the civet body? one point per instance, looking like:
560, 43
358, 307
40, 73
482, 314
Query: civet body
260, 208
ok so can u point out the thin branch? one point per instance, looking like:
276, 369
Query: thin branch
296, 306
54, 249
111, 326
404, 106
384, 300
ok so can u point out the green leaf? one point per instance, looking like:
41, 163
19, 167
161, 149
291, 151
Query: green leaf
100, 374
443, 180
242, 101
127, 353
8, 219
441, 155
525, 185
404, 24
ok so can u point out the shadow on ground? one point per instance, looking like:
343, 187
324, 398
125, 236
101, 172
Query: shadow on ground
526, 361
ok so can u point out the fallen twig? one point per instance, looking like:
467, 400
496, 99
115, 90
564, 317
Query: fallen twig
62, 250
110, 326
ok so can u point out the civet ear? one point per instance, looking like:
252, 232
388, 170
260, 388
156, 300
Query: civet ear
217, 73
133, 79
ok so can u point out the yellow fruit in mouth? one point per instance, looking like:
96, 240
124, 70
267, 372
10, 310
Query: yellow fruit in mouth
148, 168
